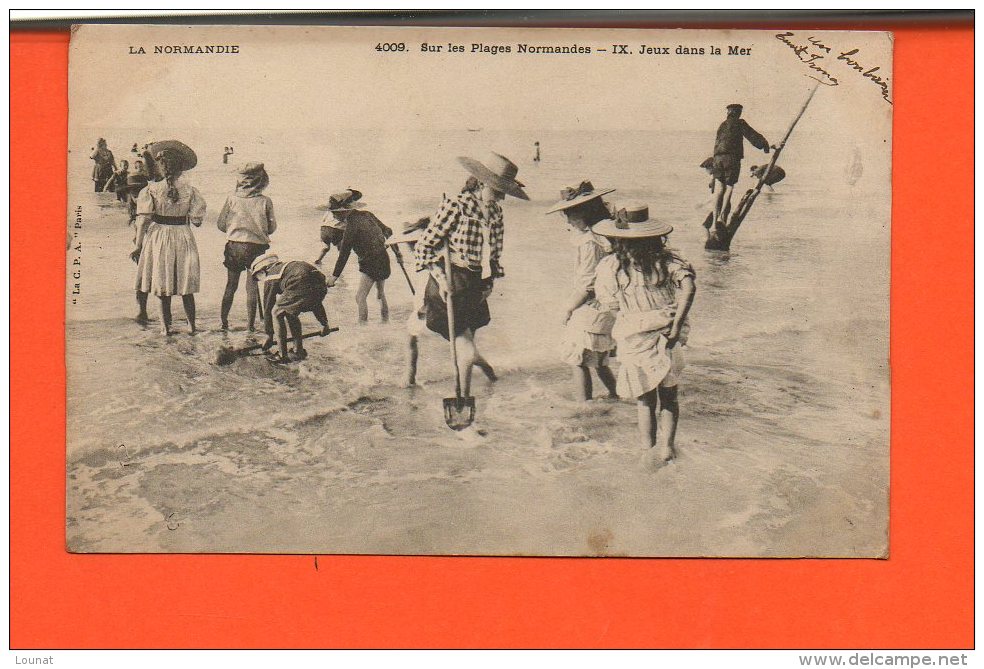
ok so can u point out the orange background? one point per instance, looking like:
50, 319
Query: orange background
921, 597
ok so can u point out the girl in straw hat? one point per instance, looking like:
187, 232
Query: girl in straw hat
248, 221
165, 249
471, 226
417, 320
588, 333
652, 289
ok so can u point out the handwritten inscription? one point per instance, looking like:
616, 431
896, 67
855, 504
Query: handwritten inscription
809, 54
816, 55
849, 58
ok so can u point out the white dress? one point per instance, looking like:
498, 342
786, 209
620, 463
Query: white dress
590, 326
169, 262
646, 309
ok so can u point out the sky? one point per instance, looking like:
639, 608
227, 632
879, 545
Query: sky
310, 78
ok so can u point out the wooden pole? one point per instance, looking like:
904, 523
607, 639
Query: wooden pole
719, 237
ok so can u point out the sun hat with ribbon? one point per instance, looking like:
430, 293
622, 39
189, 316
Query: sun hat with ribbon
187, 156
412, 231
498, 172
575, 195
632, 222
263, 262
153, 151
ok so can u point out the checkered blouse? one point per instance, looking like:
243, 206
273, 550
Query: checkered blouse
464, 221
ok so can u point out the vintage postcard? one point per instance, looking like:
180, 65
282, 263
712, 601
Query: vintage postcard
469, 291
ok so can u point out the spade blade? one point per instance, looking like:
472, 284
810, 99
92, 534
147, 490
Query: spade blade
459, 412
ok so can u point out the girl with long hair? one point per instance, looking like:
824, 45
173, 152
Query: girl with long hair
652, 288
165, 250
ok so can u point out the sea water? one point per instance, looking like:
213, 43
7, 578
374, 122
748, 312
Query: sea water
783, 438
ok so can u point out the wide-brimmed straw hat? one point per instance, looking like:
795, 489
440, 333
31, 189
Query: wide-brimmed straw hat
412, 232
632, 221
262, 262
497, 171
182, 150
575, 195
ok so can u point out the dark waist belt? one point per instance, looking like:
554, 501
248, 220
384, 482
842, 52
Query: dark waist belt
170, 220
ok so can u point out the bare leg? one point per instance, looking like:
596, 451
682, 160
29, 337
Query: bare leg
319, 313
466, 359
486, 368
608, 379
669, 414
142, 316
365, 284
282, 336
295, 332
727, 204
324, 252
251, 302
726, 197
166, 314
582, 383
646, 408
232, 284
412, 354
189, 306
719, 190
384, 310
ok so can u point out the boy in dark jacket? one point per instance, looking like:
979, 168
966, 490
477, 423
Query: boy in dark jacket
729, 149
366, 235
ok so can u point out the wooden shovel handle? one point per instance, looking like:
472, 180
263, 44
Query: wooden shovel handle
450, 304
256, 347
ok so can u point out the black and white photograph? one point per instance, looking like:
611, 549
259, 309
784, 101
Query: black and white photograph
478, 291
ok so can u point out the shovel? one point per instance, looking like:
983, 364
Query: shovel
228, 355
459, 411
399, 261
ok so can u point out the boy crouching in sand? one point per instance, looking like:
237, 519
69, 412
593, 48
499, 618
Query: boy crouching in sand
289, 289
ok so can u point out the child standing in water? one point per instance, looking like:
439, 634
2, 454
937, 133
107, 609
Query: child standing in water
248, 221
118, 182
587, 339
366, 235
164, 248
652, 288
417, 321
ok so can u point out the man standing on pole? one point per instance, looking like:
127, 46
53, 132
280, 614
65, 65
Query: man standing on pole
728, 151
